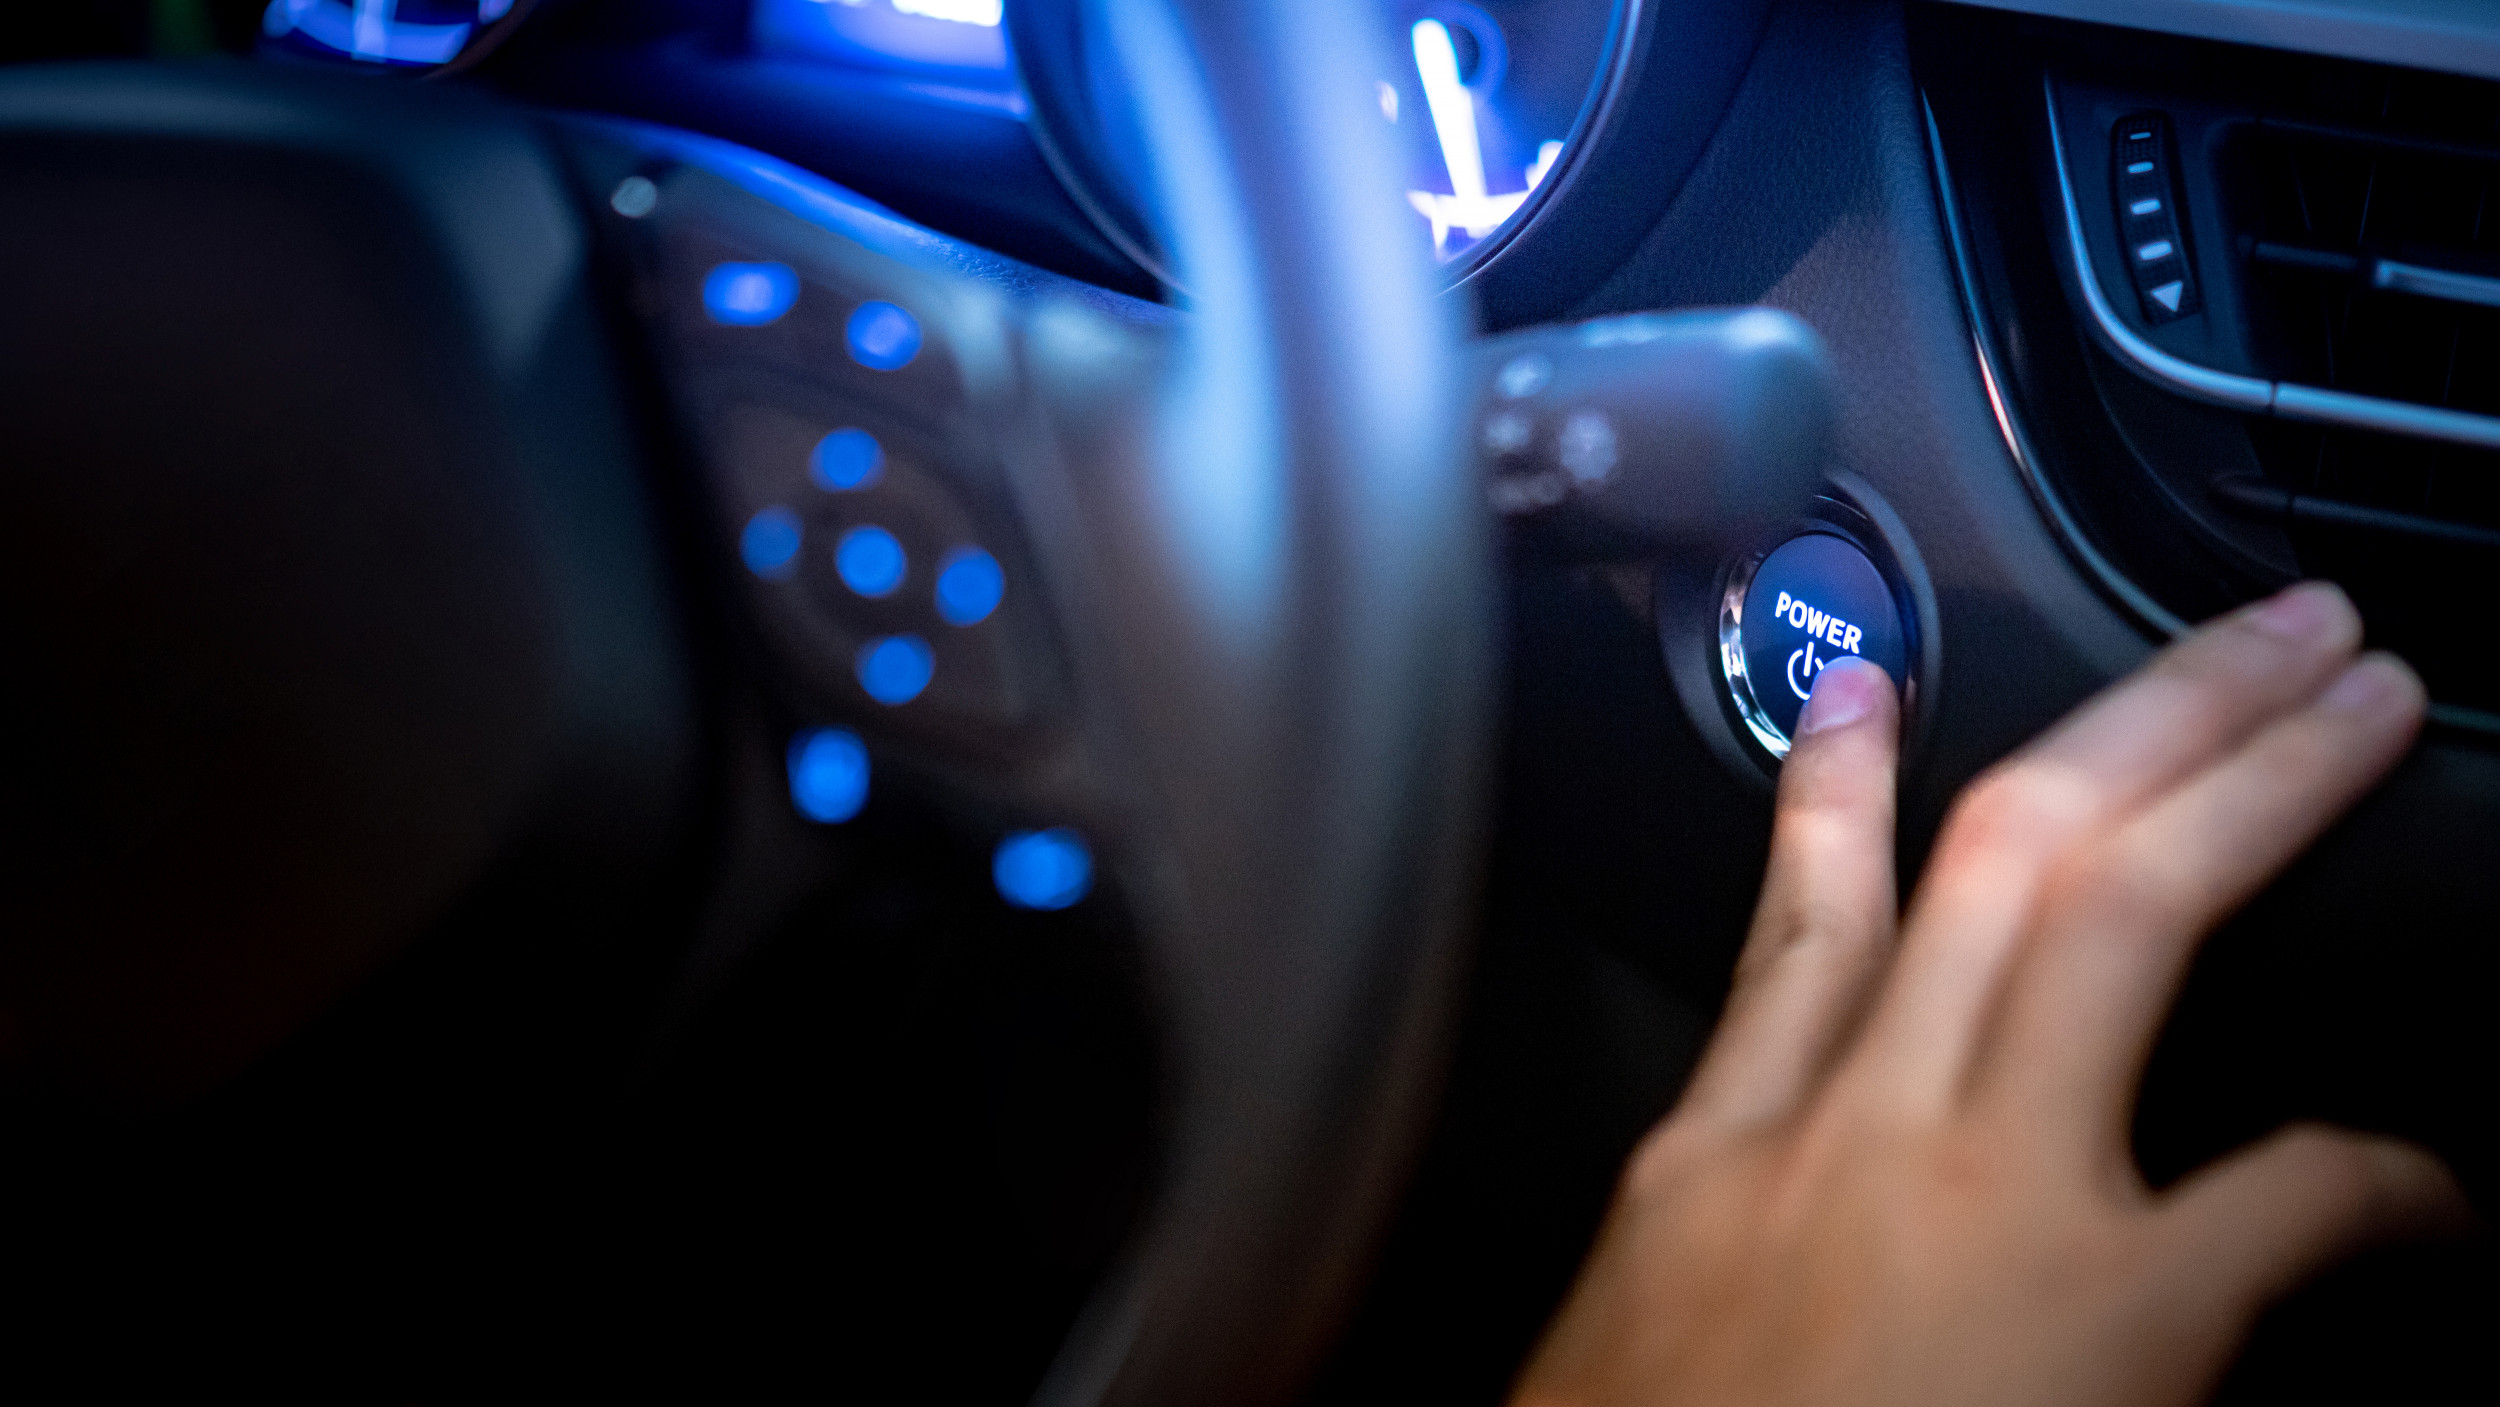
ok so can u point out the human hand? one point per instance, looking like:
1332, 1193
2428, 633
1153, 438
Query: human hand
1902, 1173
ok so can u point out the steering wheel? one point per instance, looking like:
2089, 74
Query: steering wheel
339, 554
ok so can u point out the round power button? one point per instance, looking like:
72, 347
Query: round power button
1813, 599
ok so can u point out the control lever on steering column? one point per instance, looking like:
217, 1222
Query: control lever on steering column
1638, 436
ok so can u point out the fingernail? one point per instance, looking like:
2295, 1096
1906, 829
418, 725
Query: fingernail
2302, 612
2366, 685
1845, 691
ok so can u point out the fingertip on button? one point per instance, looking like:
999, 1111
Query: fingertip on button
1845, 691
1805, 606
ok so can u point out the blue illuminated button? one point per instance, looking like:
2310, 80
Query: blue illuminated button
870, 560
846, 459
749, 295
1043, 869
969, 586
1813, 600
883, 337
771, 542
896, 668
828, 774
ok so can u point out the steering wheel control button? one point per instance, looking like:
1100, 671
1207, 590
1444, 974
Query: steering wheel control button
2148, 217
634, 197
871, 561
1814, 599
883, 337
1524, 375
849, 458
895, 669
1049, 869
749, 295
770, 543
828, 774
970, 585
1587, 447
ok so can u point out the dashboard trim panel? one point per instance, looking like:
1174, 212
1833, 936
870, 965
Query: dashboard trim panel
2286, 400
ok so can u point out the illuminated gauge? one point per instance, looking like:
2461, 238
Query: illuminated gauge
1542, 138
1487, 101
401, 34
956, 39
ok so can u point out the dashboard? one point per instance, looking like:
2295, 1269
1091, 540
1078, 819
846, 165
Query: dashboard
2032, 492
2140, 309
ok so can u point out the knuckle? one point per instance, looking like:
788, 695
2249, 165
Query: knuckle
2340, 1168
2192, 696
2120, 891
2020, 804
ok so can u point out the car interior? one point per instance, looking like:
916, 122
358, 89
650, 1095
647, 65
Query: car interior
1075, 701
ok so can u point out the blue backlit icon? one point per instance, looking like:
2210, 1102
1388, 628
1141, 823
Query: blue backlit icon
771, 542
1043, 869
969, 586
883, 337
828, 774
870, 560
749, 295
847, 459
896, 668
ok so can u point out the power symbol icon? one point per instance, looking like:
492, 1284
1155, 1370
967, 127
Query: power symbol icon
1802, 663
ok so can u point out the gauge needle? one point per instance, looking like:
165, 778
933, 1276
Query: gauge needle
1468, 206
1453, 112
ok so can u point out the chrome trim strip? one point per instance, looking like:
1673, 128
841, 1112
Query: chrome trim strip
2422, 281
2061, 520
2293, 401
2449, 36
2288, 399
2458, 716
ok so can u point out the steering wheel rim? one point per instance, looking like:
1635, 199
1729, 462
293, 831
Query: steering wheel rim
1271, 577
1363, 629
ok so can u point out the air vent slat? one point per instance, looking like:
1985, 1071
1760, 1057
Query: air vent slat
2373, 258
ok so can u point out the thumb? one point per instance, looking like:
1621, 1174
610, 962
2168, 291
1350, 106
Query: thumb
2258, 1224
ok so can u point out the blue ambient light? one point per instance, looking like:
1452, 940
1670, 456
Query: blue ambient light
771, 542
849, 458
896, 668
954, 39
1043, 869
431, 33
883, 337
969, 586
749, 295
871, 561
828, 774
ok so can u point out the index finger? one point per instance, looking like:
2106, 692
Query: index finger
1823, 930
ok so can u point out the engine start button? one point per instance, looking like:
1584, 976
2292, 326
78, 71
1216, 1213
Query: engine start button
1814, 599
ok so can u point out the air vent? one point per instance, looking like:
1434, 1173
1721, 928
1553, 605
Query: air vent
2373, 267
2298, 375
